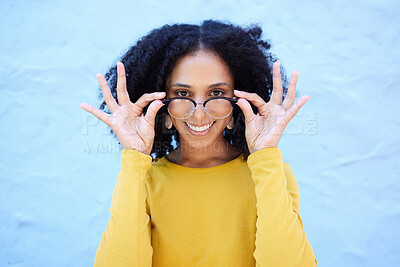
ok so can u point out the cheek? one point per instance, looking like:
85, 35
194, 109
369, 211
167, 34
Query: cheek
221, 124
179, 124
225, 122
227, 119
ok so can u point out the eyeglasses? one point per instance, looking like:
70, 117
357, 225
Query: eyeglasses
218, 107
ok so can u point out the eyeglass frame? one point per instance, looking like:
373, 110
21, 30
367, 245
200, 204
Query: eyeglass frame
231, 100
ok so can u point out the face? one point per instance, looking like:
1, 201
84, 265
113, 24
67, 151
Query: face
199, 77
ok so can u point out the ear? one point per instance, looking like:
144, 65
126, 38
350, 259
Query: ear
231, 123
168, 121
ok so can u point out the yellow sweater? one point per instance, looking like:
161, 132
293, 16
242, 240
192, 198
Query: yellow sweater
235, 214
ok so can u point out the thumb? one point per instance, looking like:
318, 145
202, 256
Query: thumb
152, 111
246, 108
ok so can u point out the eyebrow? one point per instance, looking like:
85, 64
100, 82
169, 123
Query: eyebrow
188, 86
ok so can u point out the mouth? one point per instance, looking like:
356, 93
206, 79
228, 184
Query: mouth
199, 130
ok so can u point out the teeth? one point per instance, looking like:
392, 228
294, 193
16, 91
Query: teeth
199, 129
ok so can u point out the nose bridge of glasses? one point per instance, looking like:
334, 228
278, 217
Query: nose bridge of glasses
199, 103
201, 106
204, 111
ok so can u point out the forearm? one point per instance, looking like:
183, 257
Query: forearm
280, 238
127, 239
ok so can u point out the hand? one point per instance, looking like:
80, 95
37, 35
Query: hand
133, 129
266, 127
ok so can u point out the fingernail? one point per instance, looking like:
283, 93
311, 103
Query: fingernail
160, 93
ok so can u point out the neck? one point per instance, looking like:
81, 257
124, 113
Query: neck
203, 154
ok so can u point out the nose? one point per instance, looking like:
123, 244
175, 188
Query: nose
199, 113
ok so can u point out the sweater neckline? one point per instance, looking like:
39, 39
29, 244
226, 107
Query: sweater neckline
220, 167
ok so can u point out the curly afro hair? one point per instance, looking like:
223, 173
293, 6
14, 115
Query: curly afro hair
151, 60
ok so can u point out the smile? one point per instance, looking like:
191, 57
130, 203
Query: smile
201, 128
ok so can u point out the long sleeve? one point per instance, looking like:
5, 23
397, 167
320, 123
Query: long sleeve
280, 238
127, 239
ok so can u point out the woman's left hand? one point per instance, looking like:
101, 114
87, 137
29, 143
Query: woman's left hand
266, 127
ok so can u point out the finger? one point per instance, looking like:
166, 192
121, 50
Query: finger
295, 108
276, 96
145, 99
122, 93
246, 108
152, 111
255, 99
104, 117
108, 97
289, 99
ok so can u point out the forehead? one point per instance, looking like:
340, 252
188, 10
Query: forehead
201, 68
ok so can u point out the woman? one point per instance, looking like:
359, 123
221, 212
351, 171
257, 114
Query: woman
223, 196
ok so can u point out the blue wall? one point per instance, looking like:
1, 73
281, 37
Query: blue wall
59, 165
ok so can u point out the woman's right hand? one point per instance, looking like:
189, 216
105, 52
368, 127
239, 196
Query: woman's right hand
133, 129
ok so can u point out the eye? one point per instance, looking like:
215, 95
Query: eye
179, 93
218, 92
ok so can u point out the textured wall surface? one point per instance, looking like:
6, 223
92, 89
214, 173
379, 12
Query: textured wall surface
59, 165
